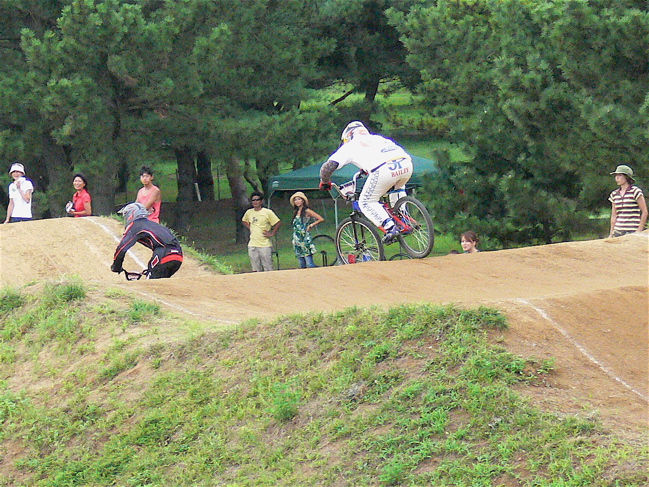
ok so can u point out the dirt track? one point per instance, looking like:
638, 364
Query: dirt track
584, 303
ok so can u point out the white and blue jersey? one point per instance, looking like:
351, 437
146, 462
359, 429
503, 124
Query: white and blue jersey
387, 165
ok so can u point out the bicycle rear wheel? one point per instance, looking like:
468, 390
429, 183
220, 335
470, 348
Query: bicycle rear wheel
418, 243
400, 256
326, 250
358, 240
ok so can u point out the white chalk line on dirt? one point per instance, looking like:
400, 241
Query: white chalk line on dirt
585, 352
149, 295
117, 239
184, 310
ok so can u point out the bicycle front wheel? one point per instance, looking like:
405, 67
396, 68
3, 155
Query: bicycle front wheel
418, 241
358, 240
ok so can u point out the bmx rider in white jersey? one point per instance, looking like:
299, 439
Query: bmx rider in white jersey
387, 165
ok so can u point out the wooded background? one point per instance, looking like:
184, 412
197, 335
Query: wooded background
545, 98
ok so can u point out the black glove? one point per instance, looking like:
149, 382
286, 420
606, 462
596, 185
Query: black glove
116, 268
325, 186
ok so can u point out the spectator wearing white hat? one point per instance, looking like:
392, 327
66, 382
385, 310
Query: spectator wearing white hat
629, 208
20, 195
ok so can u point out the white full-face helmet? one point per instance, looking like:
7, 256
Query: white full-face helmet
352, 127
133, 211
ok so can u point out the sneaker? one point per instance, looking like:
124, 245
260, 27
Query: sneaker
391, 235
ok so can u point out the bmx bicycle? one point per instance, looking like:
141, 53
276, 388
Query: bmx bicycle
359, 240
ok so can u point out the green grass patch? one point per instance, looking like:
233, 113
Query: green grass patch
63, 292
10, 299
208, 260
415, 395
143, 311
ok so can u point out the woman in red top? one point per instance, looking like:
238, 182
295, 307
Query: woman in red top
81, 200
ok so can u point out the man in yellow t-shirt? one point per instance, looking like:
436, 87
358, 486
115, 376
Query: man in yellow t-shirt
263, 224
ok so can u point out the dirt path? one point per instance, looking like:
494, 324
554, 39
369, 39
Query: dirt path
584, 303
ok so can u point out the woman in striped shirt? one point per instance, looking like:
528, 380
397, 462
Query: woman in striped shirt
629, 208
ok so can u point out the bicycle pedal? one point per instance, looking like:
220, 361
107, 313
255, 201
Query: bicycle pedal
390, 237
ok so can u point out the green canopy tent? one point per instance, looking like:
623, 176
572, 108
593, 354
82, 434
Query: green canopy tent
308, 178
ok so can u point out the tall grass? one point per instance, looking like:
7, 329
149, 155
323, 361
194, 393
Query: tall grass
415, 395
210, 261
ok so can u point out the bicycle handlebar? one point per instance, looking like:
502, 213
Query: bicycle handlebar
348, 190
134, 276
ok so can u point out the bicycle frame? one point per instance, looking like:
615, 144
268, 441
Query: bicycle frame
348, 193
357, 238
400, 220
415, 236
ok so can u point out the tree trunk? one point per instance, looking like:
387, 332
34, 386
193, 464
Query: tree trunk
240, 201
249, 175
371, 88
204, 176
186, 173
58, 184
186, 192
266, 168
105, 185
123, 175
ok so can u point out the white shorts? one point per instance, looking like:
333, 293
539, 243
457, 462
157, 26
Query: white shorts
393, 173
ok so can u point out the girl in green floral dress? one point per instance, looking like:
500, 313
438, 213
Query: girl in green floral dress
302, 241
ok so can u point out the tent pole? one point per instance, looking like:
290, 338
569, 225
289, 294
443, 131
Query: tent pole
336, 211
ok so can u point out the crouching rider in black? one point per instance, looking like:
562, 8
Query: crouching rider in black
167, 254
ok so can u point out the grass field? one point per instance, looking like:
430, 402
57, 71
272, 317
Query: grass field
100, 388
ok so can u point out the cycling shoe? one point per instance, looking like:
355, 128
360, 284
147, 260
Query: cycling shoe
391, 235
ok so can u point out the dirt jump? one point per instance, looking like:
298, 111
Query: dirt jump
584, 303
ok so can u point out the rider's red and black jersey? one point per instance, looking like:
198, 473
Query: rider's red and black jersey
150, 234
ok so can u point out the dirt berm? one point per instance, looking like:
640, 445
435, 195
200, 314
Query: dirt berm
584, 303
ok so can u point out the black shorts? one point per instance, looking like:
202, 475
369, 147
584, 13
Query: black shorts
166, 265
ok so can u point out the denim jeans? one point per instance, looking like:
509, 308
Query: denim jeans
306, 262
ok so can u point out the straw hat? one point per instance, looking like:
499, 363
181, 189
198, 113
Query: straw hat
299, 194
626, 170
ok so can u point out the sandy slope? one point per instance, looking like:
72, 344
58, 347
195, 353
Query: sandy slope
585, 303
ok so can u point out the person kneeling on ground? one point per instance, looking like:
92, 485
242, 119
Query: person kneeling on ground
167, 254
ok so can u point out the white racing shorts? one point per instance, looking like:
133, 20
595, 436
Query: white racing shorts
395, 173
